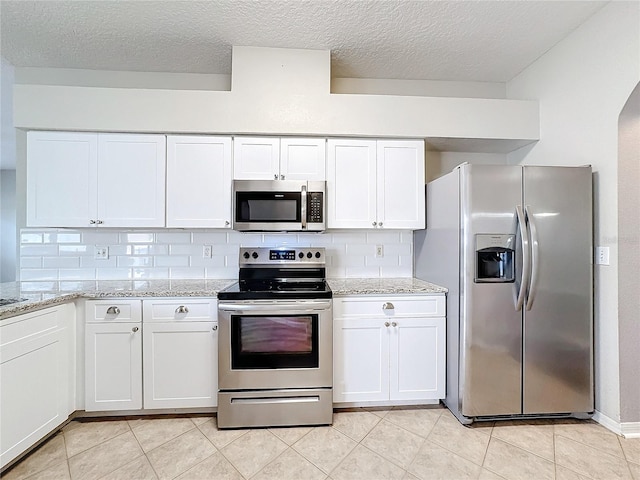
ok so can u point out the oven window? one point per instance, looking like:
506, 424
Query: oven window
267, 341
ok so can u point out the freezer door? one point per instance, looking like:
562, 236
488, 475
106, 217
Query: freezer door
558, 320
490, 325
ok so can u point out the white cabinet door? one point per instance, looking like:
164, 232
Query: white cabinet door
180, 364
400, 184
61, 179
351, 183
303, 158
256, 158
36, 371
361, 360
199, 181
417, 359
113, 366
131, 180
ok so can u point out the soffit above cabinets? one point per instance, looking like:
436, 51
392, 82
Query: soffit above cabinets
279, 92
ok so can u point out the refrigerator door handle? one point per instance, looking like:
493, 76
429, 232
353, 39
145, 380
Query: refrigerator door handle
535, 257
524, 236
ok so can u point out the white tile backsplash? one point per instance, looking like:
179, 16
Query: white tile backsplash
68, 254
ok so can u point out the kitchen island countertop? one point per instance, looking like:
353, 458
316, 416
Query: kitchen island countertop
36, 295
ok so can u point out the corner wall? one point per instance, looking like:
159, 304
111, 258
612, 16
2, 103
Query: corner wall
8, 231
582, 84
629, 249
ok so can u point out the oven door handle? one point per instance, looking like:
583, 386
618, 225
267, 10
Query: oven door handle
312, 305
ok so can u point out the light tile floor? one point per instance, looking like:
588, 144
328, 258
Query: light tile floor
371, 444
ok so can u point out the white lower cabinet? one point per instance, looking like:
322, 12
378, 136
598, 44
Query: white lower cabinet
113, 355
37, 375
180, 350
151, 354
389, 349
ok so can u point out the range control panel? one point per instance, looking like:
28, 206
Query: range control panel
281, 255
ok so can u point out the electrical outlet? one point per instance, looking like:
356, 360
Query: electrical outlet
207, 251
101, 253
379, 251
602, 255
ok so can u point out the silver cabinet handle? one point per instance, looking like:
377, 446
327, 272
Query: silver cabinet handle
215, 328
275, 176
380, 224
182, 309
394, 324
281, 177
388, 306
386, 324
99, 222
92, 222
113, 311
134, 329
226, 223
374, 223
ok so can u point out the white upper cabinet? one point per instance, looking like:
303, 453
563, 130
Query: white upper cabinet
375, 184
199, 181
62, 179
272, 158
131, 177
95, 179
400, 182
303, 158
351, 183
256, 158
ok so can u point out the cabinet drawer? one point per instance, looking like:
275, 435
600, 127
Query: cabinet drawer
193, 310
113, 311
363, 305
32, 324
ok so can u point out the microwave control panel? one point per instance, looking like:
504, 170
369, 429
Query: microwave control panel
315, 206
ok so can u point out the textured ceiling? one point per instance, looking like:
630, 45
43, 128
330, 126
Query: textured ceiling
489, 41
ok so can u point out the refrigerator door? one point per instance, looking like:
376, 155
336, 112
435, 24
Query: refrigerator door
490, 325
558, 320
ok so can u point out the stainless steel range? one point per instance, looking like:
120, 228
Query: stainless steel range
275, 352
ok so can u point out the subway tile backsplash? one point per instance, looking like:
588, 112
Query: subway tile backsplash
69, 255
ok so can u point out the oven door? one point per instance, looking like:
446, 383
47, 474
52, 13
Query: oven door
270, 344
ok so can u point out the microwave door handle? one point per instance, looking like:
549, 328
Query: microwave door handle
303, 207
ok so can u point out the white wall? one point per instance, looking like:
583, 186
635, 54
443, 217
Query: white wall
424, 88
440, 163
582, 84
7, 175
629, 250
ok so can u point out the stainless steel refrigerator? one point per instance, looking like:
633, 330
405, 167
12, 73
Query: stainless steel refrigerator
513, 244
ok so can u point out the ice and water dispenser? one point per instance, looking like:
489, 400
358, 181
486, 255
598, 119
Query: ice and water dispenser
495, 258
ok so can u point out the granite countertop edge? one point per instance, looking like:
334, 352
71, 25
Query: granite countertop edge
51, 294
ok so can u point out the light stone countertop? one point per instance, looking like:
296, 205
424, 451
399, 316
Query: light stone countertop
382, 286
38, 295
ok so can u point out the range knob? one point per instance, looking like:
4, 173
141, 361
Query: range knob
317, 254
254, 255
309, 255
301, 255
246, 255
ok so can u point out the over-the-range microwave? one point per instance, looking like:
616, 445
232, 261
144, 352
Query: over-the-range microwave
278, 206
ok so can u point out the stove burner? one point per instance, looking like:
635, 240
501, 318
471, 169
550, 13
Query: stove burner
291, 273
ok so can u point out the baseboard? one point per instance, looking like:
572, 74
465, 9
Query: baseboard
626, 429
631, 429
